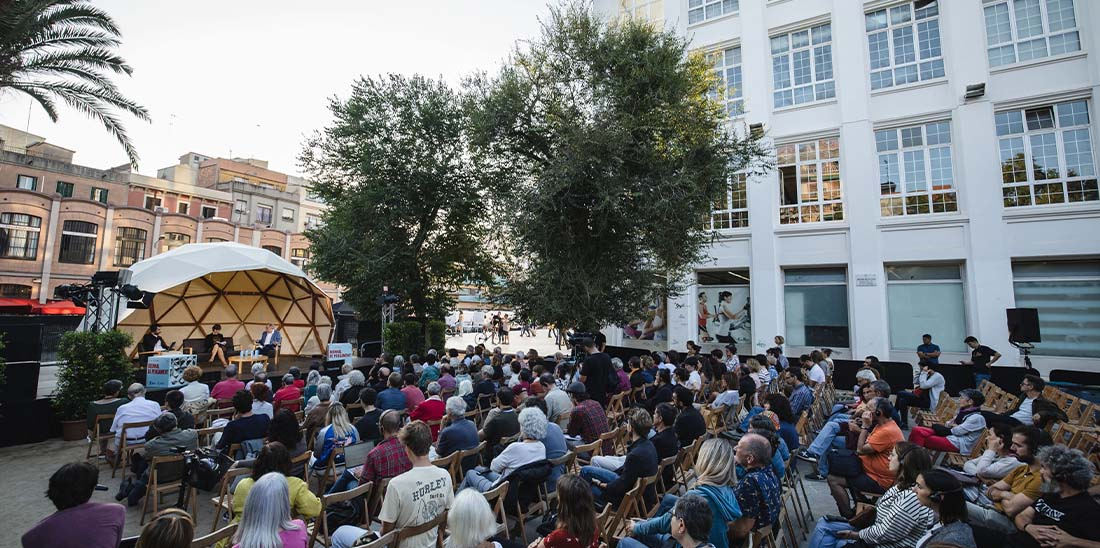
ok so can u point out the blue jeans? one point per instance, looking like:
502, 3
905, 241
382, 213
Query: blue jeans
824, 535
826, 438
645, 541
346, 535
588, 473
839, 417
345, 482
838, 408
979, 377
482, 481
752, 413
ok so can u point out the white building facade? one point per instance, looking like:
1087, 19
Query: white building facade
899, 205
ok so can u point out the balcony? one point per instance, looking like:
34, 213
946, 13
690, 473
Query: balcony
237, 187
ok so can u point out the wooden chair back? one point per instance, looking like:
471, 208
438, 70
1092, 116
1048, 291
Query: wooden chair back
388, 540
155, 488
496, 497
223, 503
215, 537
303, 461
206, 435
437, 523
126, 446
320, 526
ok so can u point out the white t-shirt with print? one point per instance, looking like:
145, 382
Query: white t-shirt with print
417, 497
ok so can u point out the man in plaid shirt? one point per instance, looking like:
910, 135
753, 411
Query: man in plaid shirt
587, 419
802, 398
388, 459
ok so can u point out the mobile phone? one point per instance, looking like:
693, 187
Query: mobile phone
835, 518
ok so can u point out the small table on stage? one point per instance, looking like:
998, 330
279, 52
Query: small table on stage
242, 360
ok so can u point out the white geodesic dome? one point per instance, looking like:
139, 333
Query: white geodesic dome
241, 287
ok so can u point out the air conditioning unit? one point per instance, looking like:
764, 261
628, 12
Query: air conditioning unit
239, 210
160, 209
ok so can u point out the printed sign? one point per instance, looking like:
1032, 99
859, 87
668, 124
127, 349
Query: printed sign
340, 351
866, 280
723, 316
166, 370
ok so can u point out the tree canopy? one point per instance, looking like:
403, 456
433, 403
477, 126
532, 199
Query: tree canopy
614, 153
404, 196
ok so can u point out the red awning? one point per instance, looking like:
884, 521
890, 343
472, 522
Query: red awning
32, 306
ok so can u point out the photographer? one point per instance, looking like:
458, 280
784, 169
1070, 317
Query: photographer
168, 442
595, 371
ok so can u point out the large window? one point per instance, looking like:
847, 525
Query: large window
183, 207
1046, 155
288, 214
26, 182
1067, 295
65, 189
209, 212
815, 303
15, 291
645, 10
727, 68
914, 170
904, 44
926, 299
313, 221
172, 240
153, 202
274, 249
263, 214
703, 10
802, 66
732, 209
99, 195
810, 177
129, 246
1021, 30
78, 240
19, 236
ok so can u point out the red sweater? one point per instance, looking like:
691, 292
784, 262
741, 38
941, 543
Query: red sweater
430, 409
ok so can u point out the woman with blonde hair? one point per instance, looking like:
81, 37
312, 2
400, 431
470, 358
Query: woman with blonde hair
338, 432
266, 521
714, 468
196, 395
171, 528
471, 522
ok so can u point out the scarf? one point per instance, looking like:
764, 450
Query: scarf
966, 412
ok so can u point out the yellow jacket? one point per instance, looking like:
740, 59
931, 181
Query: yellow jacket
302, 502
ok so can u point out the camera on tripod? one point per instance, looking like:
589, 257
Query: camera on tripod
578, 342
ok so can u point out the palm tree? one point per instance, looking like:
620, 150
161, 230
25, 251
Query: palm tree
64, 49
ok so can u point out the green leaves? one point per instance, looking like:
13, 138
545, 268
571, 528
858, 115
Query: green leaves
90, 360
615, 155
64, 49
405, 196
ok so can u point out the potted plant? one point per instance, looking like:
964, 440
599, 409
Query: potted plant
89, 360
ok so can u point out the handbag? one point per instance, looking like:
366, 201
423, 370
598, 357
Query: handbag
864, 519
844, 463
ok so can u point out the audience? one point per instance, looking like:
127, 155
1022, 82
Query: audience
77, 522
997, 460
471, 522
459, 434
532, 428
265, 520
350, 395
173, 400
138, 409
386, 460
247, 426
314, 400
337, 433
167, 442
196, 395
503, 422
1066, 514
367, 425
413, 395
225, 389
412, 498
877, 437
558, 402
107, 405
758, 492
315, 417
609, 487
554, 442
171, 528
576, 517
587, 420
928, 384
1016, 492
260, 405
690, 423
288, 396
392, 397
274, 458
1032, 409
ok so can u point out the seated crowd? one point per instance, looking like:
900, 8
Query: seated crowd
667, 449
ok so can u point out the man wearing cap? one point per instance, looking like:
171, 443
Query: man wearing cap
587, 419
558, 403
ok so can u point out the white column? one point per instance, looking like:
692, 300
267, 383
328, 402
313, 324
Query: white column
47, 256
286, 247
198, 231
157, 219
108, 239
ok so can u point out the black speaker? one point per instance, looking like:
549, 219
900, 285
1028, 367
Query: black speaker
1023, 325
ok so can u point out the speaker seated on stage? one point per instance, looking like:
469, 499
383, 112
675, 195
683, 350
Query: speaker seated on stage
152, 344
269, 341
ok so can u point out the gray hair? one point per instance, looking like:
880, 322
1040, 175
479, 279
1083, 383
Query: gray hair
456, 406
257, 367
486, 373
313, 378
135, 390
696, 514
324, 391
759, 447
432, 352
231, 371
434, 389
617, 363
532, 423
165, 423
346, 368
266, 513
399, 362
288, 379
520, 355
470, 520
476, 359
881, 387
326, 380
356, 378
1068, 466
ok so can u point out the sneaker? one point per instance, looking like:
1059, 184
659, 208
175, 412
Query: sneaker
815, 477
806, 456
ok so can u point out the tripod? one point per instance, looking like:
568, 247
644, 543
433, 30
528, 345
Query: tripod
1025, 349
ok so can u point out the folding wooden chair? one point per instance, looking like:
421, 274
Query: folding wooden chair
206, 435
155, 489
331, 472
495, 497
303, 461
215, 537
958, 459
388, 540
126, 446
612, 531
97, 440
319, 526
438, 523
448, 463
223, 503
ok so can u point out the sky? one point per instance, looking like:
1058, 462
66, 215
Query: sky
252, 78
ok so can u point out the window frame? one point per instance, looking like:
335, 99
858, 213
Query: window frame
1013, 31
837, 204
203, 209
734, 106
124, 243
277, 250
286, 217
156, 201
20, 179
1046, 332
704, 4
893, 66
70, 234
845, 283
789, 53
736, 217
32, 233
927, 171
261, 218
1010, 191
96, 189
69, 189
183, 207
960, 281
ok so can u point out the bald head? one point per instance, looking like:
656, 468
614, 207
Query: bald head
390, 422
753, 451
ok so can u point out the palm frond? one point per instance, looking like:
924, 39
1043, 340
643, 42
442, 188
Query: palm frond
108, 96
101, 58
98, 108
68, 68
68, 14
41, 97
56, 38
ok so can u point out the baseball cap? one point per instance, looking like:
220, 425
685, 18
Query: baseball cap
577, 387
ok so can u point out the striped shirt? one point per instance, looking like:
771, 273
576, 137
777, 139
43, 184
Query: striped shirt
900, 522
